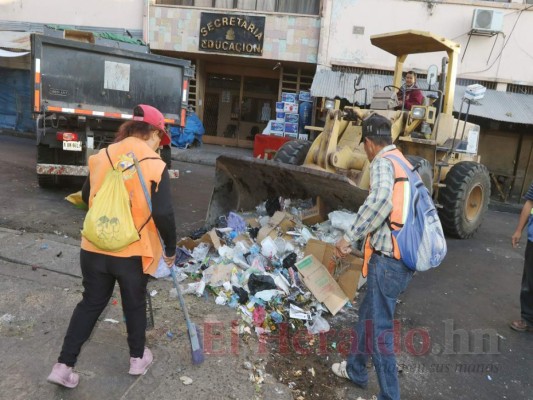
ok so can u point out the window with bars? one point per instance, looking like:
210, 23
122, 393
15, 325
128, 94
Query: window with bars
306, 7
468, 82
522, 89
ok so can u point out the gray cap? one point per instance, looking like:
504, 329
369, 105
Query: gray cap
376, 125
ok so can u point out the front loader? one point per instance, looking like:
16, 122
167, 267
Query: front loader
335, 167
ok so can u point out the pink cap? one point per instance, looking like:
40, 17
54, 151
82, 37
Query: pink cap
152, 116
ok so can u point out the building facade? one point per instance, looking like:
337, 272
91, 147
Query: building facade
248, 52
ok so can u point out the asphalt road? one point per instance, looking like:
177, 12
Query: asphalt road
454, 338
25, 206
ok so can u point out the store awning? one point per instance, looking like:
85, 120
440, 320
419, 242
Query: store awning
496, 105
7, 53
328, 83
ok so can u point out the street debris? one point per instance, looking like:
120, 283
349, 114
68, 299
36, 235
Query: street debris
274, 266
186, 380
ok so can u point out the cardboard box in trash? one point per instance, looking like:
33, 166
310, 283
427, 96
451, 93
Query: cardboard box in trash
210, 237
316, 214
346, 271
318, 280
280, 221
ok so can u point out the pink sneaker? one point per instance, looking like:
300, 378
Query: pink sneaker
139, 366
64, 376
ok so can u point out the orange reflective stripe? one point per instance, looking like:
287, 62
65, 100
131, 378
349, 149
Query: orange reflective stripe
37, 100
113, 115
84, 112
366, 256
183, 117
400, 198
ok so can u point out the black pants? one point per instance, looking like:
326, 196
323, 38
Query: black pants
526, 292
100, 272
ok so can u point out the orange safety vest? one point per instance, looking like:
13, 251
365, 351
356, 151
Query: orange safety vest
400, 203
149, 246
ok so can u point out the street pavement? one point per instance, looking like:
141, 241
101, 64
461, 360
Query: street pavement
40, 286
459, 312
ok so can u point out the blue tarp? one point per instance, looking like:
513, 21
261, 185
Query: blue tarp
193, 131
15, 100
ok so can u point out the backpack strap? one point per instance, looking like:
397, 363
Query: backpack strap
109, 158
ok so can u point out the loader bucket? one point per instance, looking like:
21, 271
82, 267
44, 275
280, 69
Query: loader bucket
242, 183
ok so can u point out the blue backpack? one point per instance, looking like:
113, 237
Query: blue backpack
421, 239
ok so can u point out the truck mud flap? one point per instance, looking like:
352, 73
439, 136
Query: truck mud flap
242, 183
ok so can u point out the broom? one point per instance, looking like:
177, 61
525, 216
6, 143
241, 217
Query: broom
197, 353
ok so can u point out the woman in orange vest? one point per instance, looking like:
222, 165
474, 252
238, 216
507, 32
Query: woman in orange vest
388, 277
131, 266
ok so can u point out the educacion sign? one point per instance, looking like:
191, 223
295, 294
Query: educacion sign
232, 34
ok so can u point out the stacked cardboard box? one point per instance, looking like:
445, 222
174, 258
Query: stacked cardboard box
288, 117
290, 111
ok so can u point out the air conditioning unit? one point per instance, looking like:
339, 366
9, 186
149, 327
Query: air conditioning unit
487, 20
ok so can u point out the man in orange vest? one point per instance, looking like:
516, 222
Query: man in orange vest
387, 275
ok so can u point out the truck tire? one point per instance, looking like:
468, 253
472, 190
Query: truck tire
293, 152
425, 170
465, 199
166, 156
46, 155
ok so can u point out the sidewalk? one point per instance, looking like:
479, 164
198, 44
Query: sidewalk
40, 287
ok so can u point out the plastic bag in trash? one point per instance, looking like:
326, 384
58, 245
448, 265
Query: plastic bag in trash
289, 261
317, 325
257, 283
182, 255
200, 252
236, 222
272, 205
243, 294
342, 220
257, 261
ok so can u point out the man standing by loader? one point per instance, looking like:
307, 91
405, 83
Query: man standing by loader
387, 274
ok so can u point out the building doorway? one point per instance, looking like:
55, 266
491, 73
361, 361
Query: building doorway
237, 108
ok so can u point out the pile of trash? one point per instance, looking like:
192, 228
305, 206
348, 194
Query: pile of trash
275, 265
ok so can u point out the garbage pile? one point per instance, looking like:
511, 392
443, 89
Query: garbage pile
275, 265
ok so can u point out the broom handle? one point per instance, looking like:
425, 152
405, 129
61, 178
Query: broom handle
182, 300
180, 295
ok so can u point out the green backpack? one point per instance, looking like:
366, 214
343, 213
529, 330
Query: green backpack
109, 223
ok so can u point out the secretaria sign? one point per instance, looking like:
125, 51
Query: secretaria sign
232, 34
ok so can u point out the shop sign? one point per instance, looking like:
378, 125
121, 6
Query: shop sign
232, 34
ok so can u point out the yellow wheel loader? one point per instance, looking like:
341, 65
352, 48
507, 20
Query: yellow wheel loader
335, 167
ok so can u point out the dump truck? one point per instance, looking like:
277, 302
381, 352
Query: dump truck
82, 92
335, 167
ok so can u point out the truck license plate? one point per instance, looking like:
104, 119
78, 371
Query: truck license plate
72, 146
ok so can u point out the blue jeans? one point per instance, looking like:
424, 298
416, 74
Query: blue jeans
387, 279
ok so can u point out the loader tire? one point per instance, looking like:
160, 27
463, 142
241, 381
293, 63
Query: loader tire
465, 199
293, 152
425, 170
166, 156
